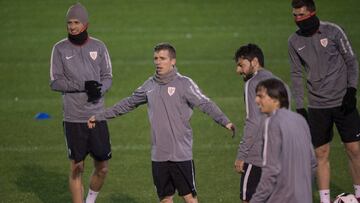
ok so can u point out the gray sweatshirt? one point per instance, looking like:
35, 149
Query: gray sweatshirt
289, 162
70, 67
249, 149
329, 63
170, 107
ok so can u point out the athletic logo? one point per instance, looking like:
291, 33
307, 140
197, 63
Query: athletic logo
324, 42
301, 48
93, 55
171, 90
69, 57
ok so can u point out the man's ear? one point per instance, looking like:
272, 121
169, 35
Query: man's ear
255, 62
173, 61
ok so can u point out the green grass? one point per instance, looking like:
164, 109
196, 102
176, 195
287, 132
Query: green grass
33, 163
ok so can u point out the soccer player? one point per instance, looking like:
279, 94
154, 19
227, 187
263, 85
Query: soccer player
321, 52
170, 99
81, 70
288, 156
249, 61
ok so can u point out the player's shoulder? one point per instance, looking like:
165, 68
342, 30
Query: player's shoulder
331, 29
329, 25
183, 78
290, 116
261, 75
96, 41
149, 82
61, 43
293, 37
264, 73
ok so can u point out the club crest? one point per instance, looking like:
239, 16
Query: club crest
93, 55
324, 42
171, 90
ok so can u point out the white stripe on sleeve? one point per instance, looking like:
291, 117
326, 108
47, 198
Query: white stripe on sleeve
265, 140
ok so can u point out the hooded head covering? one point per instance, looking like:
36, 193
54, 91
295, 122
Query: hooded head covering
77, 11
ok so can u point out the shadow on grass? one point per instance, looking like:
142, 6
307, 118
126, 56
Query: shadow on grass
49, 186
337, 189
121, 198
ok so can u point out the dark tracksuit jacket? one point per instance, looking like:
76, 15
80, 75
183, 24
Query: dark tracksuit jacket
329, 63
170, 107
288, 159
70, 67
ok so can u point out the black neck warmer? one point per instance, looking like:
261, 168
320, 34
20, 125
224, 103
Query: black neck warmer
79, 39
308, 26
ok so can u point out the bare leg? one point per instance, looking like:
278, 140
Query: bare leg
75, 181
167, 199
353, 152
189, 198
99, 174
323, 169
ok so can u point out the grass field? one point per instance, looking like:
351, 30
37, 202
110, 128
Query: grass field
33, 163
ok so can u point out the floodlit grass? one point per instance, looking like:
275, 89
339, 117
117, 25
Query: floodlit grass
33, 163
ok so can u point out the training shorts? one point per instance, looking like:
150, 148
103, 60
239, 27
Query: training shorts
250, 179
169, 176
321, 123
81, 141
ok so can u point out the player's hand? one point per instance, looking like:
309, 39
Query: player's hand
232, 127
348, 104
239, 166
91, 122
93, 90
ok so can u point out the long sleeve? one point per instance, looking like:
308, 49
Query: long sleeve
271, 161
196, 98
296, 76
58, 80
349, 57
126, 105
105, 72
249, 137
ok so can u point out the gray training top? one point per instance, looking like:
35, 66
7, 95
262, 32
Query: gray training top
250, 148
70, 67
288, 160
330, 65
170, 107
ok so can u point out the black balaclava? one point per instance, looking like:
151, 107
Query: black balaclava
308, 26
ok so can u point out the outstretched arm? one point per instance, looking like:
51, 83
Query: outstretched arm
122, 107
196, 98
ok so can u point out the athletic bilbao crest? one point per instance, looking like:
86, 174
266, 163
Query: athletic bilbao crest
171, 90
324, 42
93, 55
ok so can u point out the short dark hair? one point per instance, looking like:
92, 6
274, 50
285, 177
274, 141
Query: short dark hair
276, 90
249, 52
166, 46
309, 4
